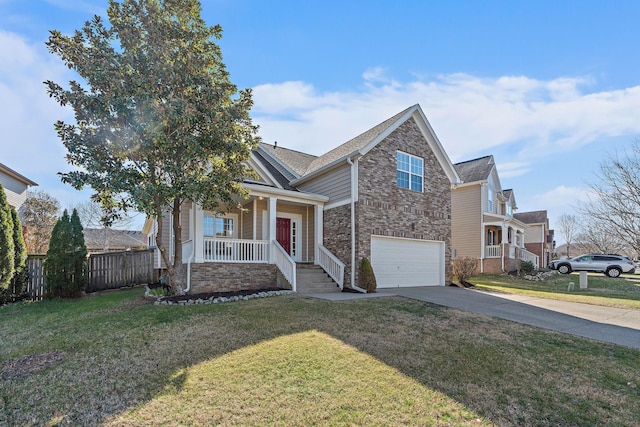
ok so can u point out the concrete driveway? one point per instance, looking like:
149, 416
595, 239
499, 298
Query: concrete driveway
612, 325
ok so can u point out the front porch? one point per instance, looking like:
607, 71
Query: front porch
258, 243
503, 249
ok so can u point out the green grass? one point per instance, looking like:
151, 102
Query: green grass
622, 292
298, 361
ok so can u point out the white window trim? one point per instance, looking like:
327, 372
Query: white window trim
232, 216
297, 218
410, 173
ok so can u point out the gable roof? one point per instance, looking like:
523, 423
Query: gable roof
15, 175
367, 140
533, 217
476, 169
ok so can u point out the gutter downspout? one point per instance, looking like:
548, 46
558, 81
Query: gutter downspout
354, 183
193, 250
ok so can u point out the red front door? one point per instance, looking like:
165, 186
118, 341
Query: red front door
283, 233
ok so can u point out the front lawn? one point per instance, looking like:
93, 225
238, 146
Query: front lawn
116, 360
622, 292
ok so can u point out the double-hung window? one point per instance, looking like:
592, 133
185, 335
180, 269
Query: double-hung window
217, 226
410, 171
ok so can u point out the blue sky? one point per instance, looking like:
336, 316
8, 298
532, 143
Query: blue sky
550, 88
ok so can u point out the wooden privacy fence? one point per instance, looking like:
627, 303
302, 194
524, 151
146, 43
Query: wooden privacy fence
117, 269
111, 270
37, 279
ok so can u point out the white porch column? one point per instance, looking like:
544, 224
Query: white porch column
255, 218
318, 230
272, 223
198, 231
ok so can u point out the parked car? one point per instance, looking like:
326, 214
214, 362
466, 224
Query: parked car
612, 265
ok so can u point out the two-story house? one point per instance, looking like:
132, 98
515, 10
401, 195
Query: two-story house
384, 195
483, 221
538, 239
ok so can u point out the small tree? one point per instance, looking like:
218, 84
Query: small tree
568, 225
65, 266
39, 214
7, 251
20, 275
367, 276
79, 256
464, 267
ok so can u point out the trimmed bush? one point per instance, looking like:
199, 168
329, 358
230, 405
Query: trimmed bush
7, 250
20, 274
527, 267
464, 267
66, 263
367, 276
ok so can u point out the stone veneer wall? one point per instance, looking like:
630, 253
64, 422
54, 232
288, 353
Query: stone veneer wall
231, 277
385, 209
337, 236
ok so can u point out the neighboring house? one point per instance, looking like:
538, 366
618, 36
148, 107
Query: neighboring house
538, 239
483, 222
384, 195
100, 240
15, 186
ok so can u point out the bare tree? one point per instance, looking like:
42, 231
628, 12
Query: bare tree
38, 215
568, 227
596, 237
616, 196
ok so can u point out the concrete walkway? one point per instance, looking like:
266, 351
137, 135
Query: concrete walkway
612, 325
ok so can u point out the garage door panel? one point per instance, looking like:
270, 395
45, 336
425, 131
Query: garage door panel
406, 262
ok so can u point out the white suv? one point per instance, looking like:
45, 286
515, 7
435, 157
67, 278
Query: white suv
610, 264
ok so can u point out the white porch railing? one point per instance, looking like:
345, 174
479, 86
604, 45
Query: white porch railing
332, 265
234, 250
492, 251
525, 255
285, 263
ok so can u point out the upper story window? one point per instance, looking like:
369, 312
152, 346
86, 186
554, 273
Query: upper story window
217, 226
490, 200
509, 209
410, 171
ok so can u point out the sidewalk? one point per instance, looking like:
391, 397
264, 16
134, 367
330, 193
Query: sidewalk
612, 325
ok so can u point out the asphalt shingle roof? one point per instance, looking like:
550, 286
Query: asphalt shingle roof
354, 144
533, 217
476, 169
297, 161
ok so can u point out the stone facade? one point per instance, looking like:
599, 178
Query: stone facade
337, 236
385, 209
231, 277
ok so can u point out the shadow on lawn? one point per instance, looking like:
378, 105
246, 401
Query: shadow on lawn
506, 372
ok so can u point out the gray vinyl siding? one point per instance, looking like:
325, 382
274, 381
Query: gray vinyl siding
15, 190
336, 184
466, 227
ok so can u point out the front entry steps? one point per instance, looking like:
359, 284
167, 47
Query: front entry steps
312, 279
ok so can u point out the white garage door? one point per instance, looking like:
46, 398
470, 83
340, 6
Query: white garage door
407, 262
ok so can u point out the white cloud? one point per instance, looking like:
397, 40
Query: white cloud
471, 115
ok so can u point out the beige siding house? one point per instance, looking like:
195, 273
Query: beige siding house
384, 195
483, 221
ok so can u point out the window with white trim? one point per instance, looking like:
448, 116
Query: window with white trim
490, 200
217, 226
410, 171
